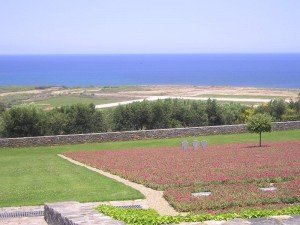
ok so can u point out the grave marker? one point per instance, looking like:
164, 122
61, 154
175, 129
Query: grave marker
201, 194
268, 189
196, 145
185, 145
203, 144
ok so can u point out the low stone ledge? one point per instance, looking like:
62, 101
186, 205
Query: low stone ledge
136, 135
74, 213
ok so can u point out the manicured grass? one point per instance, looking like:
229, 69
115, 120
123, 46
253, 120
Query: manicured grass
33, 176
36, 176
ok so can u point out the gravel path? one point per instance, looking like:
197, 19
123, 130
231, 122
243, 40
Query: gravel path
155, 199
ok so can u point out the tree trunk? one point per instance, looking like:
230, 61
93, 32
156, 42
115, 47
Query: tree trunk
259, 139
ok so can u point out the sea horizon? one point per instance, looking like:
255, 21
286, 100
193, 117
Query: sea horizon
264, 70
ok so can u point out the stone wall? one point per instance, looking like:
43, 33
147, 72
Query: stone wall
74, 213
136, 135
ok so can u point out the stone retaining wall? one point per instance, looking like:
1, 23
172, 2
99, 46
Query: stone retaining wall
135, 135
74, 213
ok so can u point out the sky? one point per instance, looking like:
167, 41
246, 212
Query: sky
149, 26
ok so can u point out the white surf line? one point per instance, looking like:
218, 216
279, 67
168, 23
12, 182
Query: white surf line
154, 98
155, 199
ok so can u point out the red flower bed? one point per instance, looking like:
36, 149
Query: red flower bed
220, 168
235, 195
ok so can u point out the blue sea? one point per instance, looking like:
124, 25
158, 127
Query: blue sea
256, 70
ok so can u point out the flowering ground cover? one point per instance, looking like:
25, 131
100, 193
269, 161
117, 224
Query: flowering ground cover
233, 173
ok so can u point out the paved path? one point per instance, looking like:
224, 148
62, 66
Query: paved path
85, 208
76, 213
155, 199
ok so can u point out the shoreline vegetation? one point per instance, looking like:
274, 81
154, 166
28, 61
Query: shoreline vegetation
73, 111
49, 97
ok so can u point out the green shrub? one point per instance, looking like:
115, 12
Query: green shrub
24, 121
291, 115
82, 118
277, 108
151, 217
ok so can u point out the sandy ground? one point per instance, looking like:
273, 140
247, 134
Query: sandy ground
153, 92
171, 90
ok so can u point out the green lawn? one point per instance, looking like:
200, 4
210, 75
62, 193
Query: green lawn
32, 176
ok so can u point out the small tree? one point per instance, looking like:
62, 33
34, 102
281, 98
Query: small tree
259, 123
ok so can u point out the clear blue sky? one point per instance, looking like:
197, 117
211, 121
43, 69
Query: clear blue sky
149, 26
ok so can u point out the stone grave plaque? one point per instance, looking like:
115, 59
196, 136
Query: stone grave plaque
201, 194
268, 189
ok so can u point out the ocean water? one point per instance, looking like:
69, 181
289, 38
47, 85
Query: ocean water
265, 70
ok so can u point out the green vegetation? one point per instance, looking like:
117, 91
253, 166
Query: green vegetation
26, 121
160, 114
16, 99
36, 176
185, 113
32, 176
74, 99
115, 89
2, 109
280, 110
15, 88
150, 217
241, 96
175, 113
78, 119
259, 123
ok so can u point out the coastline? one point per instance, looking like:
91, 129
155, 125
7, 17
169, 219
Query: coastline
111, 96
